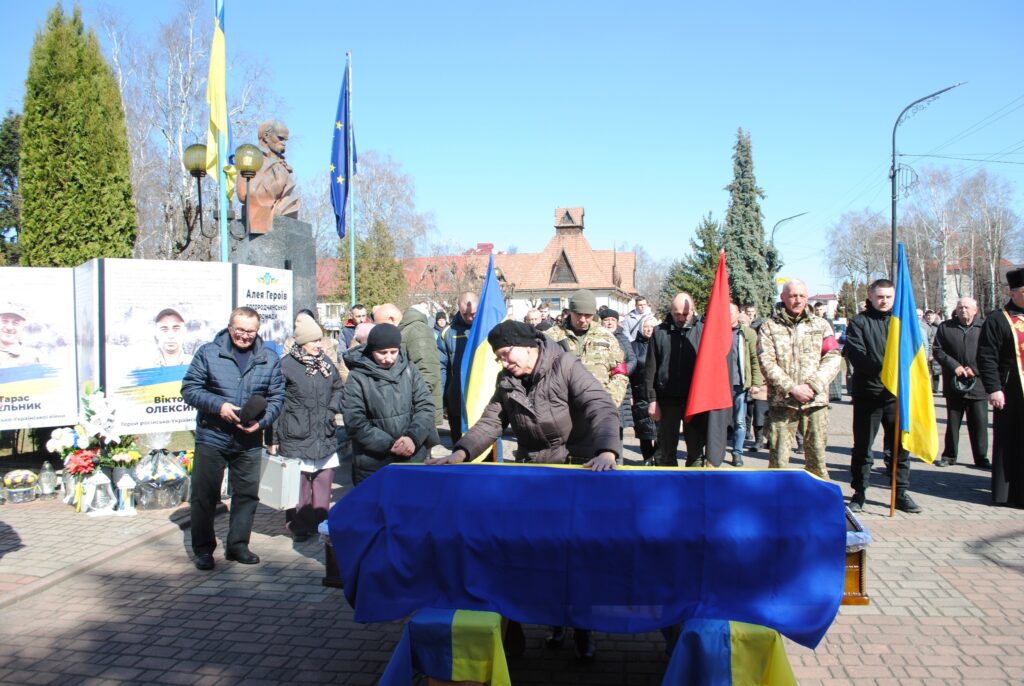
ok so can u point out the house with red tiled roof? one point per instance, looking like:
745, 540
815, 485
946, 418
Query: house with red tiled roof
566, 264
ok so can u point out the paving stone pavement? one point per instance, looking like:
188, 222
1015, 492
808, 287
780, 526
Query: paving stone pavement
116, 601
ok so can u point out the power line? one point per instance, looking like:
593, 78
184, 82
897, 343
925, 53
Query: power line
971, 159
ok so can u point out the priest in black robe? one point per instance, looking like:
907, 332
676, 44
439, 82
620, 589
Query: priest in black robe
1001, 366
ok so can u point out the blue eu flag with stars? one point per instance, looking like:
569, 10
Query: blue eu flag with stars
343, 151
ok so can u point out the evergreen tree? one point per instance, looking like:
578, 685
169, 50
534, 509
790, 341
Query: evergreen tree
695, 273
379, 275
10, 200
751, 261
76, 192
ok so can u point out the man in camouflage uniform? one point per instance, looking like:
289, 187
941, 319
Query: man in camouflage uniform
799, 357
596, 346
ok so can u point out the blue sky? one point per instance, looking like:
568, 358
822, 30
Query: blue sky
502, 112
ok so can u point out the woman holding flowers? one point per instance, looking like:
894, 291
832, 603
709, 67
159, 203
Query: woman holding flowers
306, 428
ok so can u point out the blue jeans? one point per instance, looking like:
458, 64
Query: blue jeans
739, 419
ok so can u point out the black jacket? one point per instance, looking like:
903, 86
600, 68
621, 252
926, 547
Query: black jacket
956, 346
306, 428
671, 357
382, 405
865, 347
996, 360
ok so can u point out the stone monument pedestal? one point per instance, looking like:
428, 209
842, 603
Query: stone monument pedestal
289, 245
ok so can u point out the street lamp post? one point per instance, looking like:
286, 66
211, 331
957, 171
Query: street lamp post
248, 161
195, 163
915, 106
782, 221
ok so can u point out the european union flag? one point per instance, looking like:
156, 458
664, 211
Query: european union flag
343, 152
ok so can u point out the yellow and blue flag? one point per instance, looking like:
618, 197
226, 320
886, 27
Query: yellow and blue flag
343, 152
449, 645
217, 98
480, 368
905, 370
715, 652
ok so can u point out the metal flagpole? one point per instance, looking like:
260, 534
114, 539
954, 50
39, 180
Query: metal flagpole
223, 183
350, 196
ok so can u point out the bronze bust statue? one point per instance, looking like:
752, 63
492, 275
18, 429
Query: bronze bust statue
271, 192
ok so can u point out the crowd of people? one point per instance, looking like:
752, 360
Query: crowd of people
568, 386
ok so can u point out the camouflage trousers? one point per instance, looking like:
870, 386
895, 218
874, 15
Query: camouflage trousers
782, 427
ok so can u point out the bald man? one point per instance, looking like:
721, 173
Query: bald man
799, 357
671, 357
451, 345
387, 314
956, 350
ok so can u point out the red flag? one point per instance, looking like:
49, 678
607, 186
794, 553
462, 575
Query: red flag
710, 389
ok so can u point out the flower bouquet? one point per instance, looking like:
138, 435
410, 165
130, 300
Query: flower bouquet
79, 464
162, 481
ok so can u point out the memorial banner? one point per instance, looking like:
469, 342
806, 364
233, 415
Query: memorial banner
37, 347
268, 291
155, 314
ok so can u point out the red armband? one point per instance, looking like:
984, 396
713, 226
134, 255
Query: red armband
620, 368
828, 344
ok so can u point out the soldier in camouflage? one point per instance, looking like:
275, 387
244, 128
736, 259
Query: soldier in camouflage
799, 357
596, 346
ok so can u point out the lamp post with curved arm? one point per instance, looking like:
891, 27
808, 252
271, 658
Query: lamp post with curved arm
915, 106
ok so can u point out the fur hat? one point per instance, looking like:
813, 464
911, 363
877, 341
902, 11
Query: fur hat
1015, 278
307, 330
382, 337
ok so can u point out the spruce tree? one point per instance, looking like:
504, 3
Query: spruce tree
695, 273
75, 188
10, 199
379, 275
751, 261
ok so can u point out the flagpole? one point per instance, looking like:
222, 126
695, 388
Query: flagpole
895, 458
350, 196
223, 183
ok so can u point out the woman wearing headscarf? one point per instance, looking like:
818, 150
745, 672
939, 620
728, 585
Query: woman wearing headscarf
306, 428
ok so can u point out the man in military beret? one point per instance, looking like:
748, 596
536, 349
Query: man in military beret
597, 348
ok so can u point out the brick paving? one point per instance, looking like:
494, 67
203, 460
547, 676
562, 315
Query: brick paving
116, 601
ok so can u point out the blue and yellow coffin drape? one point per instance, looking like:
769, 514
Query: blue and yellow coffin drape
627, 551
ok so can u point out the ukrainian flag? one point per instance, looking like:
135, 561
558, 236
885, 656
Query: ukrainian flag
480, 368
217, 98
451, 646
714, 652
905, 370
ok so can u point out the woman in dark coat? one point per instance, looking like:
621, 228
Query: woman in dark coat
306, 428
644, 426
387, 405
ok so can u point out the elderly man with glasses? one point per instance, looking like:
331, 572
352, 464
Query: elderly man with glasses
228, 381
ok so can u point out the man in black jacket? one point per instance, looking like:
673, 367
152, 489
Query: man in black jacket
873, 404
955, 349
671, 359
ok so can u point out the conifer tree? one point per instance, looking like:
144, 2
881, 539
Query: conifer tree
75, 188
695, 273
379, 275
10, 198
752, 261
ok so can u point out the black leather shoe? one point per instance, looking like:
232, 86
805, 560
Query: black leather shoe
584, 644
857, 502
905, 503
556, 638
242, 554
983, 463
941, 462
204, 562
737, 460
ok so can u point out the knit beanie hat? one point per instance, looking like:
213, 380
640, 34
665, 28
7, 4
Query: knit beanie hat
582, 302
512, 333
307, 330
383, 336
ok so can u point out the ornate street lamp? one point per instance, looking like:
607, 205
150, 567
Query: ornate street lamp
912, 108
195, 162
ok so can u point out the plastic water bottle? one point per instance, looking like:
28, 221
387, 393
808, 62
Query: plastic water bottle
47, 481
